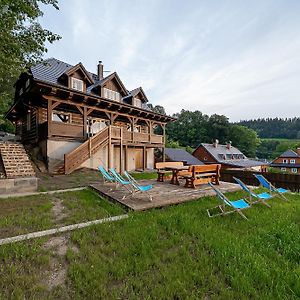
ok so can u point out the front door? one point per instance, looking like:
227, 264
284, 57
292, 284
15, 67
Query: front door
138, 159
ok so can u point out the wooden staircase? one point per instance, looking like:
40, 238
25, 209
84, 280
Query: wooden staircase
83, 152
15, 160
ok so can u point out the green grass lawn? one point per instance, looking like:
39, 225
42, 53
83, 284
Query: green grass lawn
171, 253
33, 213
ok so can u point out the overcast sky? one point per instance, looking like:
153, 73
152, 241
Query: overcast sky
238, 58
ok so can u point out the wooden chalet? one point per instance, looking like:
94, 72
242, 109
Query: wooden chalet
288, 161
80, 119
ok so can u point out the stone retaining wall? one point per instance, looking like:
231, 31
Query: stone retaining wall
18, 185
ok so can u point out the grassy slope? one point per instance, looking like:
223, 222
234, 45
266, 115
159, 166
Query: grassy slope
180, 253
33, 213
176, 252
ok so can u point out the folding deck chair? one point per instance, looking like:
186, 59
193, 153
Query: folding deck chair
121, 181
237, 205
137, 187
266, 184
106, 176
262, 197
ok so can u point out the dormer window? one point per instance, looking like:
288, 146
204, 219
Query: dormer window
77, 84
137, 102
112, 95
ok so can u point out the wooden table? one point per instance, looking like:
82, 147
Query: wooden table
175, 171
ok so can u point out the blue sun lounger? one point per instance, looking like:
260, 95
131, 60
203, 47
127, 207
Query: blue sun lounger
121, 181
266, 184
137, 187
106, 176
262, 197
236, 206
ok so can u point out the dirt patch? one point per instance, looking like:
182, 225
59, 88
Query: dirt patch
58, 263
58, 210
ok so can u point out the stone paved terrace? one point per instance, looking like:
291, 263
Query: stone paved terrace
163, 193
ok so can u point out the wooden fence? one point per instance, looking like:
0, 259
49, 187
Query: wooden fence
288, 181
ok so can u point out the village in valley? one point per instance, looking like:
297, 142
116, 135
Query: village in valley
113, 187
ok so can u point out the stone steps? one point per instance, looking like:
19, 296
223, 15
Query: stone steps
16, 162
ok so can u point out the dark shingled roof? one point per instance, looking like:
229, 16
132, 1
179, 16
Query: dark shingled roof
182, 155
289, 153
245, 163
51, 69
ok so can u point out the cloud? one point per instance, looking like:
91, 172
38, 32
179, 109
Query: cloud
235, 58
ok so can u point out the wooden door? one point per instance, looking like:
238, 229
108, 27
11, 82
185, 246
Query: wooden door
138, 159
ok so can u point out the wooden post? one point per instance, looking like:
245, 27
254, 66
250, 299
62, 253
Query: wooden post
144, 158
90, 147
49, 117
121, 150
164, 134
126, 158
163, 154
84, 122
109, 147
150, 131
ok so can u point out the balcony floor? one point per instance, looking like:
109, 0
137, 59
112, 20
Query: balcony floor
163, 193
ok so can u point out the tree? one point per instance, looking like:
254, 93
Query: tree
189, 129
218, 128
22, 44
245, 139
158, 109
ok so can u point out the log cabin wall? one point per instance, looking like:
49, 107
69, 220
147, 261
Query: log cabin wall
61, 115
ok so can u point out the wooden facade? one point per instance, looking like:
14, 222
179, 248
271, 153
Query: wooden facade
79, 123
289, 162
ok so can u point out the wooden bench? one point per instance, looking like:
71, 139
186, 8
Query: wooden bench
202, 175
162, 167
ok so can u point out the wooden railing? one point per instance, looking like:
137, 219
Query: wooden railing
79, 155
83, 152
66, 130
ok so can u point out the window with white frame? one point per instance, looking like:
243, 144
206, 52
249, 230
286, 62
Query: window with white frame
137, 102
292, 161
283, 169
285, 161
112, 95
77, 84
294, 170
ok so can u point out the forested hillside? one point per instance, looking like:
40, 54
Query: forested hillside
193, 127
288, 128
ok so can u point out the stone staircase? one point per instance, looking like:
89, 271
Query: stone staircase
15, 160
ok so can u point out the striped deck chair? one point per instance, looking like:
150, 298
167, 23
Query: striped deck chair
139, 188
236, 206
273, 190
260, 198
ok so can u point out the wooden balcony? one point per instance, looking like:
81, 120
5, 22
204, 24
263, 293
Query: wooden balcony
75, 131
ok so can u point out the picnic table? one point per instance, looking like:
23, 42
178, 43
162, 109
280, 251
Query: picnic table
175, 171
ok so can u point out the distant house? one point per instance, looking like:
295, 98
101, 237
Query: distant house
226, 155
288, 161
174, 154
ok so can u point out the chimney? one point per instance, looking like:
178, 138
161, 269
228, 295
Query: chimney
228, 145
100, 70
215, 144
298, 151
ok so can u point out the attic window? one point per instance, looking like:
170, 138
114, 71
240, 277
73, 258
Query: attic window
112, 95
77, 84
137, 102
